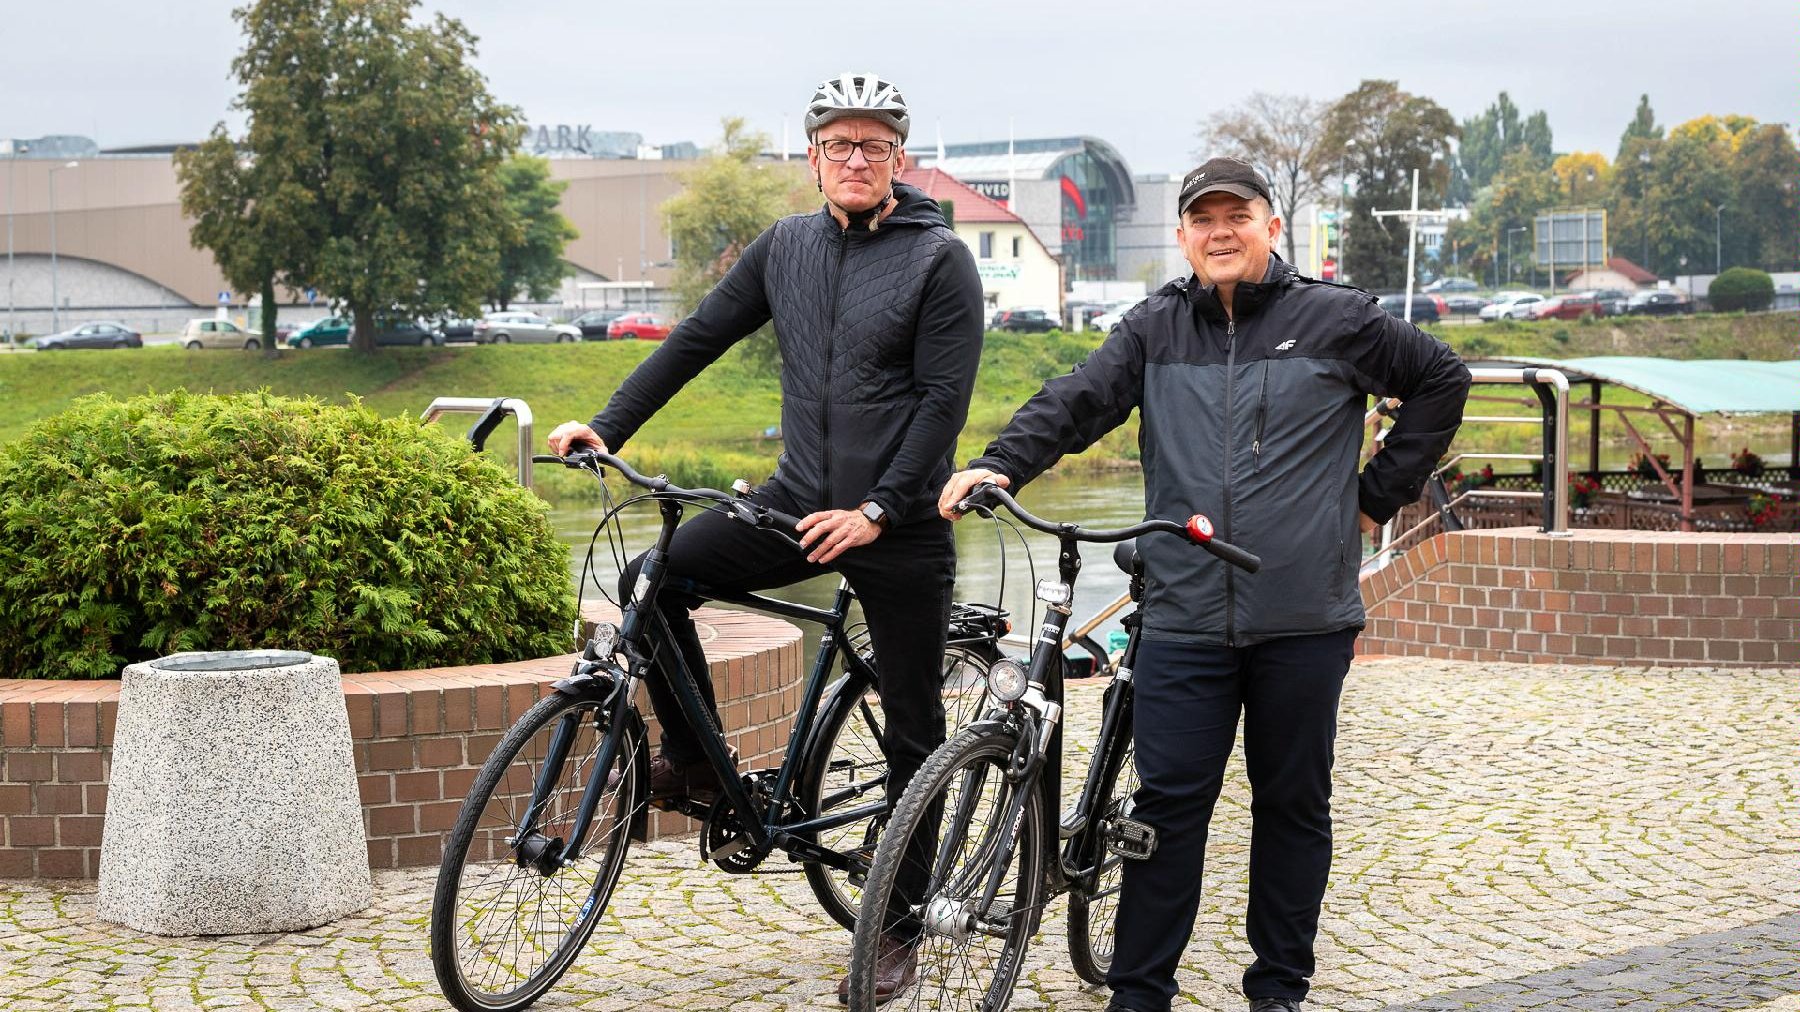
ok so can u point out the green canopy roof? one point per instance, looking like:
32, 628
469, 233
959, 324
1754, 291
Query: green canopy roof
1695, 386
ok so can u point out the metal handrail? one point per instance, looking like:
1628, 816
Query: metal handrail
491, 409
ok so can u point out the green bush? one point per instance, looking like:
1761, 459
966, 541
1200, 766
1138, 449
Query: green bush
1741, 289
138, 528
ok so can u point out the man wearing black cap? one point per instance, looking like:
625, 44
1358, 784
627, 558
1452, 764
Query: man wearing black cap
1252, 382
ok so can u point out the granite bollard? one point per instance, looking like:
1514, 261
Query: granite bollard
233, 806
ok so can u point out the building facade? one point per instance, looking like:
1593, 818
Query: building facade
1017, 271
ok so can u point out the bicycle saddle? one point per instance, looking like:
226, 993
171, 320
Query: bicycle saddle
1126, 557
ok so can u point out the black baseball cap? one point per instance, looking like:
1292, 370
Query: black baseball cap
1223, 174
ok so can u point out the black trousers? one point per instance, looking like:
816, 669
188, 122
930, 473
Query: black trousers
1185, 722
904, 579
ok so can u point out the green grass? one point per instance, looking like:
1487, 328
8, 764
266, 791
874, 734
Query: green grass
711, 431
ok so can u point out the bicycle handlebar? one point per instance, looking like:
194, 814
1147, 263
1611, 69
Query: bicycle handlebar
1198, 530
754, 514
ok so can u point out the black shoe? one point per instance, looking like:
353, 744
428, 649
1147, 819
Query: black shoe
696, 781
1274, 1005
896, 968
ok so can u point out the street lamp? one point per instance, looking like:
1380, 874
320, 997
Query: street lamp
1643, 224
1718, 244
1512, 268
13, 151
55, 302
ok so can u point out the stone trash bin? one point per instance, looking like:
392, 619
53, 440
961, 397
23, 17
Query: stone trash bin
233, 806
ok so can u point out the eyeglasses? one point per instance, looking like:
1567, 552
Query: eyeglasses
838, 150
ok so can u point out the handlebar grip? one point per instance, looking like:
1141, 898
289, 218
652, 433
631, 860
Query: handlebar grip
981, 495
783, 522
1200, 531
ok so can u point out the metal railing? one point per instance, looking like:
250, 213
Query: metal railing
493, 411
1552, 389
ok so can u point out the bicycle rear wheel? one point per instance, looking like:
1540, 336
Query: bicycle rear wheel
849, 768
947, 833
1094, 902
511, 913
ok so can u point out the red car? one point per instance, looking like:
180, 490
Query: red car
643, 326
1569, 307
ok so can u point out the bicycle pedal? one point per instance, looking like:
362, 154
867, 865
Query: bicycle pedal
1130, 839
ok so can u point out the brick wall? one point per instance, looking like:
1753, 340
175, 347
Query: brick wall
1632, 597
419, 737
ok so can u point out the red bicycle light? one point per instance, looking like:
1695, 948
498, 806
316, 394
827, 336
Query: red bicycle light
1200, 528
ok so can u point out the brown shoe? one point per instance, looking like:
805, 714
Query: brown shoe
669, 780
896, 969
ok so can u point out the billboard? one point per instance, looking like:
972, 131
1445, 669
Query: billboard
1574, 238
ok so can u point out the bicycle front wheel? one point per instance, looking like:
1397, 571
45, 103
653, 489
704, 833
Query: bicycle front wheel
930, 886
1094, 901
849, 768
512, 909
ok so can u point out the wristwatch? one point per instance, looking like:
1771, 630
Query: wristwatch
873, 512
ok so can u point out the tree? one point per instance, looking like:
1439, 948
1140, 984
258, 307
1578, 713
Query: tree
1764, 217
1686, 181
726, 200
1741, 289
1507, 207
1283, 136
370, 167
1384, 134
1641, 128
1582, 178
1487, 139
535, 233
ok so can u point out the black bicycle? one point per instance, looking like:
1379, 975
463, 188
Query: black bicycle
538, 847
990, 795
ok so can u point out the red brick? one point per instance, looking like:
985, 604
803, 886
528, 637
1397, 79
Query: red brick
390, 755
438, 753
1709, 558
62, 864
1704, 586
361, 706
459, 709
427, 711
489, 706
438, 817
1687, 557
1621, 648
16, 864
96, 798
1643, 557
15, 799
393, 820
1603, 625
84, 724
390, 714
47, 723
375, 788
1758, 651
1572, 622
1738, 628
79, 768
26, 767
31, 831
1734, 558
109, 721
1672, 628
1558, 644
479, 746
1684, 605
1653, 605
417, 787
57, 799
1706, 628
1756, 607
381, 853
1722, 650
420, 851
79, 830
1638, 625
1686, 650
1637, 583
458, 782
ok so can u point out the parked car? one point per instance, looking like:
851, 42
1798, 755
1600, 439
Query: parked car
1511, 306
336, 330
92, 335
1571, 306
210, 332
1613, 301
1452, 285
1660, 302
643, 326
1465, 305
454, 328
1108, 320
1027, 321
513, 326
1424, 309
593, 324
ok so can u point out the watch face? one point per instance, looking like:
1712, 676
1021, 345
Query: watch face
874, 512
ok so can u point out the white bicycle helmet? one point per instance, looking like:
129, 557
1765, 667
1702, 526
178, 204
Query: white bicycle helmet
860, 95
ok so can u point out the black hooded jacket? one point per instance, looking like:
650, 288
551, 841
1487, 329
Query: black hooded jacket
1256, 422
880, 335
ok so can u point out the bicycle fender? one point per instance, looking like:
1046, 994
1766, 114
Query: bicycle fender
589, 680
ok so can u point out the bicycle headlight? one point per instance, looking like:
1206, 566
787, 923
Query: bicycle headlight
1007, 680
603, 642
1053, 592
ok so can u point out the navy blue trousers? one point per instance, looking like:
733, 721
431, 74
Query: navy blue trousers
1188, 699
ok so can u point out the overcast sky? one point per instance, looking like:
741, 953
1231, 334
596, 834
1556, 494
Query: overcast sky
1137, 74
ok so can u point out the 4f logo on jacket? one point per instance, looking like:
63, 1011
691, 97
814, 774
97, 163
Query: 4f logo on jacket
1285, 345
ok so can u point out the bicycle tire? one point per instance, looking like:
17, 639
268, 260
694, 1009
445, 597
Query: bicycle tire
1093, 905
959, 773
846, 761
484, 830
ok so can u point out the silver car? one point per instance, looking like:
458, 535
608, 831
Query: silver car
508, 327
214, 333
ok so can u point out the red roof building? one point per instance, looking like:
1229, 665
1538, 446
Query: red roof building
1017, 272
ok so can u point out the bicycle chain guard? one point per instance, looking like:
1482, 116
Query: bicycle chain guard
724, 841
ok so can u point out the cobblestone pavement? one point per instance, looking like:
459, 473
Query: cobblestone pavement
1508, 838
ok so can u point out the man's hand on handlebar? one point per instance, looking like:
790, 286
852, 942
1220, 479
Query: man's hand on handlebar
957, 489
572, 436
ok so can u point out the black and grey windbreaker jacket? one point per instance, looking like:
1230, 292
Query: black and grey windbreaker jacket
880, 336
1256, 423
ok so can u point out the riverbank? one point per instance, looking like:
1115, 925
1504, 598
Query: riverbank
720, 426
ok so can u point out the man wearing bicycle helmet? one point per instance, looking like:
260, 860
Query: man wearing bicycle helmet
1251, 381
877, 308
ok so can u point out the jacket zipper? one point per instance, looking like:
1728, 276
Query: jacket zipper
1262, 415
1230, 415
837, 277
